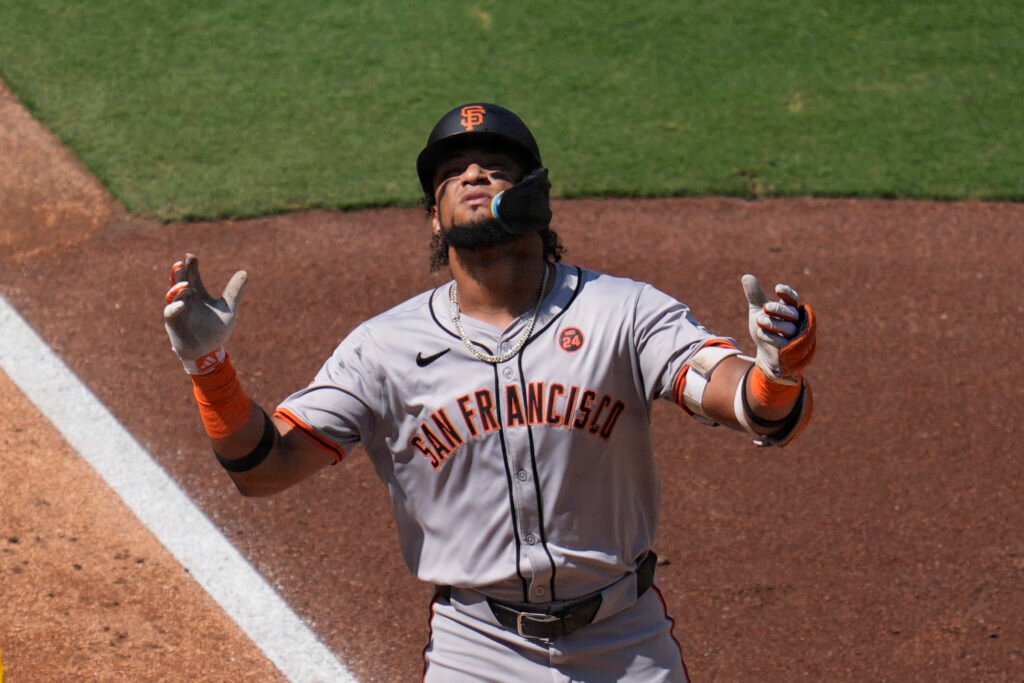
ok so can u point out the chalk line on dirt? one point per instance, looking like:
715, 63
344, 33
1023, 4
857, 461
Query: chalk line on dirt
162, 505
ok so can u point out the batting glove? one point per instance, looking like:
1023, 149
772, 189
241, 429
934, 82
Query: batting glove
526, 206
784, 331
198, 324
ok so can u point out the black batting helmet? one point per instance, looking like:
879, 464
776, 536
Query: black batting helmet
477, 123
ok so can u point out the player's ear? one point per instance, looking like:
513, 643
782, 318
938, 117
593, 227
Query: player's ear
434, 220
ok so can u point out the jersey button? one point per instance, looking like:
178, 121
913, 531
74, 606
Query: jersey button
539, 590
521, 475
530, 539
507, 372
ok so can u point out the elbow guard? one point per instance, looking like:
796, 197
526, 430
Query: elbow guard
696, 375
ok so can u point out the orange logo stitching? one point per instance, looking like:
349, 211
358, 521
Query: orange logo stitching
571, 339
472, 116
210, 360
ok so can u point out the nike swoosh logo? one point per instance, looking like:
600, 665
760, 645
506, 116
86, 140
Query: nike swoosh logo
425, 361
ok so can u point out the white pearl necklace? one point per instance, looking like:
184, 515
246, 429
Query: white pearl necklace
520, 343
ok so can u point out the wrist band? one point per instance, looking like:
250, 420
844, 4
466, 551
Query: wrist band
754, 417
256, 455
223, 405
771, 393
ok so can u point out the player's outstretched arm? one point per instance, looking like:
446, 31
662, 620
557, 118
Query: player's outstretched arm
769, 397
261, 455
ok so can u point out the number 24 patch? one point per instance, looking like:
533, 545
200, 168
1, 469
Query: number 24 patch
571, 339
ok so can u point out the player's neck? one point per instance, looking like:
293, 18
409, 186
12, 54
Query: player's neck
498, 285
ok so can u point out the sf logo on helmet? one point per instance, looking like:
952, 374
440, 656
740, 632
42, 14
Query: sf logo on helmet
472, 116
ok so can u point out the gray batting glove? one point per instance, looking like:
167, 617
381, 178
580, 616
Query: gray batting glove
774, 325
198, 324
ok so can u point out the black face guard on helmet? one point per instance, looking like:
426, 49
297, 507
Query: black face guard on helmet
476, 125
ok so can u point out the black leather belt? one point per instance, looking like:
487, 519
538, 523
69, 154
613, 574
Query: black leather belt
548, 624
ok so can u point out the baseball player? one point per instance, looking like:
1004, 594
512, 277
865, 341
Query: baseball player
508, 413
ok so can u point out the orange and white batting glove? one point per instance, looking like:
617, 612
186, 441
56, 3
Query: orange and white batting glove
198, 324
784, 331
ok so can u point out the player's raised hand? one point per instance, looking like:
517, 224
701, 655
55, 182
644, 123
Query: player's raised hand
197, 323
783, 330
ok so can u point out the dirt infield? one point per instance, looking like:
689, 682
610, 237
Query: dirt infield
886, 544
86, 588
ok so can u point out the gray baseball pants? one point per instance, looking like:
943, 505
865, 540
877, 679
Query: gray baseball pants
636, 645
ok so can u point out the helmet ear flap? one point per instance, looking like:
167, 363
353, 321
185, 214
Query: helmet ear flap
525, 207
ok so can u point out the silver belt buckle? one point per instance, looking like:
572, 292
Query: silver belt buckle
535, 617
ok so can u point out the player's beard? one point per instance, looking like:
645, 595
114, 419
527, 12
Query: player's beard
484, 233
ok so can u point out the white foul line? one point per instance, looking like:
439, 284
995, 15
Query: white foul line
162, 506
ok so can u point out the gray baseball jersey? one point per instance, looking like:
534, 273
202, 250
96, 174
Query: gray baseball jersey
531, 480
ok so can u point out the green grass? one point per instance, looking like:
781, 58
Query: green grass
199, 109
